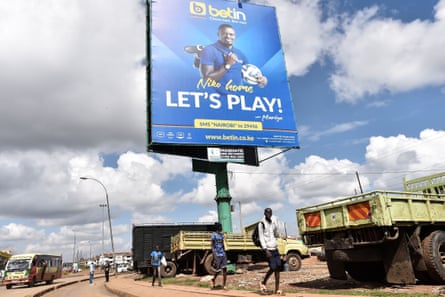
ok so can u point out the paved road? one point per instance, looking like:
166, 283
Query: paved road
19, 291
24, 291
126, 286
83, 289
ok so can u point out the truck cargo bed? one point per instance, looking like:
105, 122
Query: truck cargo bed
373, 209
200, 240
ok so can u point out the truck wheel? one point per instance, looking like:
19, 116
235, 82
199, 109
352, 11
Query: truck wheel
434, 255
169, 270
208, 265
336, 268
294, 261
8, 286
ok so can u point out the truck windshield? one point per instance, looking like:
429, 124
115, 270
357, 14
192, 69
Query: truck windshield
17, 265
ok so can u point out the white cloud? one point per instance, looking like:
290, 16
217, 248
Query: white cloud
303, 34
403, 156
319, 180
377, 54
80, 63
388, 161
372, 54
136, 186
336, 129
18, 232
440, 10
211, 216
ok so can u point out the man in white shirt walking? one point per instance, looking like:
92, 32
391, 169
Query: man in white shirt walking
268, 234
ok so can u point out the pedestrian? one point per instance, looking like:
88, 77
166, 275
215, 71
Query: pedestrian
91, 272
156, 257
268, 231
107, 271
219, 255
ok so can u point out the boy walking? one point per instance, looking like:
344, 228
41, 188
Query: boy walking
219, 255
156, 257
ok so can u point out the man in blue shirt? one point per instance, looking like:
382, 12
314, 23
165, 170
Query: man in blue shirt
221, 62
219, 255
156, 257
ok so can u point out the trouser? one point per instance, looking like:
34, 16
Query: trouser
156, 273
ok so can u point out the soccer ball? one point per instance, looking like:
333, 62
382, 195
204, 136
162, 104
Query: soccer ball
250, 72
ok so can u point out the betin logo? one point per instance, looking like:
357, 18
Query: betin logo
232, 14
197, 8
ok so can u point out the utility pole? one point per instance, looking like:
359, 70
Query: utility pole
359, 183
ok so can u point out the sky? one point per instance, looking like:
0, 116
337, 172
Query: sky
368, 85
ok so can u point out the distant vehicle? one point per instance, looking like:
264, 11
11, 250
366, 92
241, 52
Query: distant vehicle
195, 247
187, 248
147, 236
122, 268
29, 269
4, 256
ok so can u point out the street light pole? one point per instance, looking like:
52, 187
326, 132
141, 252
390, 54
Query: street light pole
74, 247
103, 228
108, 208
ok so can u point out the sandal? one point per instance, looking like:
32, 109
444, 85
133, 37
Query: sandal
263, 288
279, 293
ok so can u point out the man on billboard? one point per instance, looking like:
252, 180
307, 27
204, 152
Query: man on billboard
222, 63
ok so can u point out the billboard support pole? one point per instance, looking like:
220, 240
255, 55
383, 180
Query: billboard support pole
223, 197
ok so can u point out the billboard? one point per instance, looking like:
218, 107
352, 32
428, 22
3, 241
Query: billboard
217, 76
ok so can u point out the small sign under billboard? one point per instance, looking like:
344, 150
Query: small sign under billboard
217, 76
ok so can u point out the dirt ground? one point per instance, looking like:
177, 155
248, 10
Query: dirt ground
314, 276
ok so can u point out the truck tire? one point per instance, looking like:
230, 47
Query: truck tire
336, 268
208, 264
433, 252
294, 261
169, 270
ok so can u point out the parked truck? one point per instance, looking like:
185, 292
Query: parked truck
147, 236
193, 249
392, 236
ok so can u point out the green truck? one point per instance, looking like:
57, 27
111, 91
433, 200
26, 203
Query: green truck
392, 236
192, 250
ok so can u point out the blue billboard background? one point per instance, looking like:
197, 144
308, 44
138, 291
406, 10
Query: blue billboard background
187, 110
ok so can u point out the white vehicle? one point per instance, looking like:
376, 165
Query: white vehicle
122, 268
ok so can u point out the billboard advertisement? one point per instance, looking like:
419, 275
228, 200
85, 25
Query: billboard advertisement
217, 76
